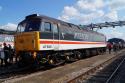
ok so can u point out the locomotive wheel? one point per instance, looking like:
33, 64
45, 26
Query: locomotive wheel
94, 52
71, 58
98, 51
55, 60
78, 55
25, 60
87, 52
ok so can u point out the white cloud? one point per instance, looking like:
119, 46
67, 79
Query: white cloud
83, 11
71, 11
116, 4
88, 11
68, 13
90, 5
111, 16
9, 26
113, 32
84, 18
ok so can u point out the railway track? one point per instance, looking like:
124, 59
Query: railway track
14, 71
20, 72
115, 72
107, 74
103, 73
11, 69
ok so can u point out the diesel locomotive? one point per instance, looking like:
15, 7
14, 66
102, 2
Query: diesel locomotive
42, 39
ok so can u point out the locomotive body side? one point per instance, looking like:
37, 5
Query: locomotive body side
69, 39
78, 38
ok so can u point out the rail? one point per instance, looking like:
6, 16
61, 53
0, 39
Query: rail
83, 76
116, 70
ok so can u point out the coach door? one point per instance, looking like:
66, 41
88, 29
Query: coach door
55, 30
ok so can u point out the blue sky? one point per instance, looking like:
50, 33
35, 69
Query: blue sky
16, 10
74, 11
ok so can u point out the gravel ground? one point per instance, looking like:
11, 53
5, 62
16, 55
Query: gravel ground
63, 73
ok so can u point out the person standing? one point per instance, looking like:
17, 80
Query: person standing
109, 46
6, 53
1, 56
10, 53
115, 47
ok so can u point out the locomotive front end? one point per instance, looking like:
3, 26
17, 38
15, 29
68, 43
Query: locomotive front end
27, 39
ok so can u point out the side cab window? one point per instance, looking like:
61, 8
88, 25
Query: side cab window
49, 27
54, 28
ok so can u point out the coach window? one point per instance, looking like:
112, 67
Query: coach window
47, 26
55, 28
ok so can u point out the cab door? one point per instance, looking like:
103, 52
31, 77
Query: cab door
55, 30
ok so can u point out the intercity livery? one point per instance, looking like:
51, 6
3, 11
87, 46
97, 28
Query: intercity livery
42, 39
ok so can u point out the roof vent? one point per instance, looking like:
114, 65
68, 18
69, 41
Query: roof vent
32, 15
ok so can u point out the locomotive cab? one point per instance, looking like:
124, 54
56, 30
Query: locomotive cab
27, 35
33, 34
